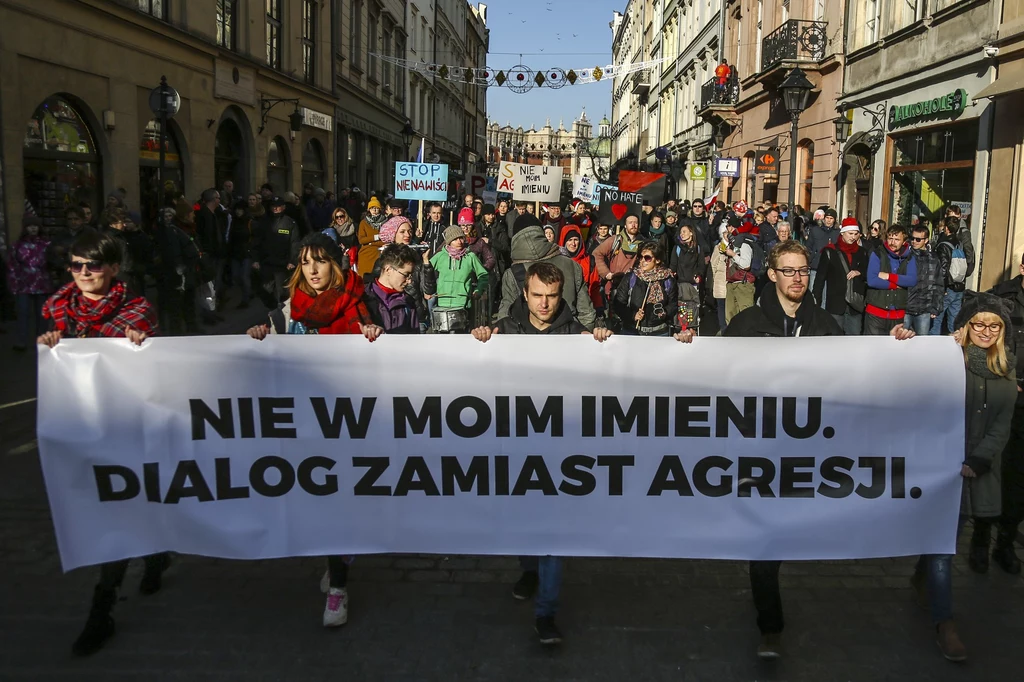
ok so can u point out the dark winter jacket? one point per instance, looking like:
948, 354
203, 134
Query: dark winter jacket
926, 296
818, 237
319, 215
888, 298
660, 319
422, 284
830, 282
944, 250
704, 230
1012, 292
394, 311
530, 246
240, 237
518, 321
277, 244
179, 257
990, 401
688, 262
210, 232
767, 318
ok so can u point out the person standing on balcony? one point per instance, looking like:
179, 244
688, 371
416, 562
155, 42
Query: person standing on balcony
722, 73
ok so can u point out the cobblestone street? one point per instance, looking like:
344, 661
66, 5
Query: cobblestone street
453, 618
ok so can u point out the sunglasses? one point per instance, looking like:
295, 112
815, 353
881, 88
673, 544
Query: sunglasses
647, 258
919, 239
93, 266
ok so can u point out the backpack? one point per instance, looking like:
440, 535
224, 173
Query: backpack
957, 263
758, 263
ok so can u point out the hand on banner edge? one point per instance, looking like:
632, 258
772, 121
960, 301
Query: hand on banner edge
901, 333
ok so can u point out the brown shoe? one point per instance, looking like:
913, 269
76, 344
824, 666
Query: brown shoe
949, 642
770, 646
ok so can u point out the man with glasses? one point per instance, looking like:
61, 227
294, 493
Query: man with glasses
783, 311
892, 271
98, 304
924, 300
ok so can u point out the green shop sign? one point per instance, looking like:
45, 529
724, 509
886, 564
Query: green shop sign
946, 106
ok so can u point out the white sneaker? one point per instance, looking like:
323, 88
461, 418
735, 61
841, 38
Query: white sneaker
325, 582
336, 611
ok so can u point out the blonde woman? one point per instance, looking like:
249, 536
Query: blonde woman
983, 326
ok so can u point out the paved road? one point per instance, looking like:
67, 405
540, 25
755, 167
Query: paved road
432, 618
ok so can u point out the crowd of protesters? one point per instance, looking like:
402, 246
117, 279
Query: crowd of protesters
322, 266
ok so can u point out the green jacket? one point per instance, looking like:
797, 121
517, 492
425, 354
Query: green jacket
455, 278
990, 400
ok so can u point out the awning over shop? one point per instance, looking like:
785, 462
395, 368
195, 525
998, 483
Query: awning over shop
1003, 85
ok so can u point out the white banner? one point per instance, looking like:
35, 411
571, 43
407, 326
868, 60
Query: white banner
825, 448
537, 183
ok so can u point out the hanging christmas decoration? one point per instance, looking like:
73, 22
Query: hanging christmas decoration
521, 78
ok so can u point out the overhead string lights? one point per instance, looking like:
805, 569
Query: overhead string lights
520, 78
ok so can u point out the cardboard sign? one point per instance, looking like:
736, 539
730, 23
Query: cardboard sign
584, 188
475, 184
650, 185
598, 188
617, 205
538, 183
507, 174
425, 181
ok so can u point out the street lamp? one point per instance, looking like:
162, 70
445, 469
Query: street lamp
796, 95
718, 135
843, 127
407, 134
631, 160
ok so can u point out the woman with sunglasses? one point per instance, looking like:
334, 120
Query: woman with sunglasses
341, 229
96, 303
983, 326
875, 237
324, 298
647, 300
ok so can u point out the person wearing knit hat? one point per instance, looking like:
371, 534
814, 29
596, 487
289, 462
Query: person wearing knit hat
461, 279
524, 221
451, 234
390, 227
983, 328
821, 233
849, 224
833, 289
369, 238
466, 217
488, 209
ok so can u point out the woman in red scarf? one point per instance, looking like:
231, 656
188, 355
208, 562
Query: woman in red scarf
325, 298
97, 304
840, 285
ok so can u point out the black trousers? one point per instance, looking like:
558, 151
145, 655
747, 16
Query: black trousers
764, 584
338, 569
112, 572
1013, 472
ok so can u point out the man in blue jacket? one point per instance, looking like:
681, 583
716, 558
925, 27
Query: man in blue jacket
892, 271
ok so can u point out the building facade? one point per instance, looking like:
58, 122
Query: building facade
921, 139
75, 84
474, 136
575, 149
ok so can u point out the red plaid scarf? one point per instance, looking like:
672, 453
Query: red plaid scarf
74, 315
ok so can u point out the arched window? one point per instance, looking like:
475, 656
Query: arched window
228, 154
313, 163
750, 175
805, 175
277, 166
61, 161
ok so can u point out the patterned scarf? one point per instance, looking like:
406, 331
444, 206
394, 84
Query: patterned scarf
456, 254
74, 315
654, 278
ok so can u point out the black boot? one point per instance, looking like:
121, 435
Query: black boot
99, 627
1003, 554
980, 540
152, 580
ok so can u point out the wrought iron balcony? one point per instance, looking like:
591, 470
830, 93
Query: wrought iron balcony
796, 40
642, 82
712, 95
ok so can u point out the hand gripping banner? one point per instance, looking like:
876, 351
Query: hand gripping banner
312, 445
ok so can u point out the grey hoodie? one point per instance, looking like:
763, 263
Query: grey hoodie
530, 246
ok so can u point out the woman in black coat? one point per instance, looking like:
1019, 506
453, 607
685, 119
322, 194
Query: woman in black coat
840, 284
647, 300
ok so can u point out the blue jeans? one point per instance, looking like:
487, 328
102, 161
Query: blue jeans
921, 324
951, 302
549, 574
939, 571
241, 276
851, 321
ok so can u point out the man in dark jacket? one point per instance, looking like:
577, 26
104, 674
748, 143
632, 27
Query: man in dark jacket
924, 300
433, 228
954, 283
783, 311
319, 210
892, 271
541, 310
821, 235
840, 279
1012, 292
276, 250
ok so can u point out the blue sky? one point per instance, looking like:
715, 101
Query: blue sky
546, 41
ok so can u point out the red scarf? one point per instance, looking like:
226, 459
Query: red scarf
75, 315
339, 310
847, 250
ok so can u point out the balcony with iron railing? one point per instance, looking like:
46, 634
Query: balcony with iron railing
797, 40
723, 96
642, 82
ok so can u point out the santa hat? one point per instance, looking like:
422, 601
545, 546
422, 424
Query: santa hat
575, 204
466, 216
849, 224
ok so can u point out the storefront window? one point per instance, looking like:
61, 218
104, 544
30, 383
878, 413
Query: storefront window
277, 165
931, 169
805, 161
751, 177
149, 167
62, 166
313, 164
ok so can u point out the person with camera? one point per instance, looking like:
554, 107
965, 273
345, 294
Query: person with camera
461, 279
